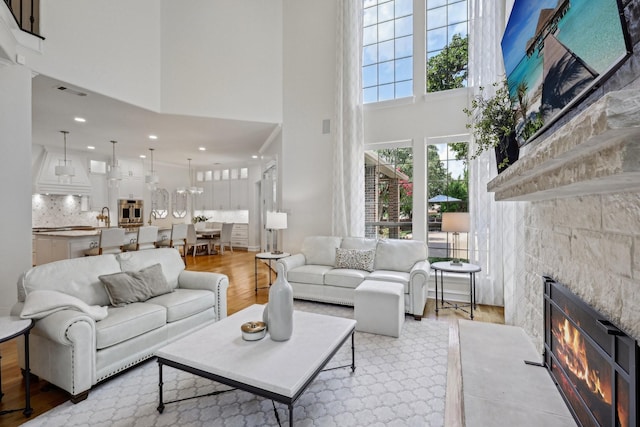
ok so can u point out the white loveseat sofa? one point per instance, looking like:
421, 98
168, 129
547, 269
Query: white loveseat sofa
316, 274
74, 351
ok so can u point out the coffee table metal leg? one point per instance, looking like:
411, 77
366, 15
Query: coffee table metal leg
471, 295
353, 352
291, 415
160, 384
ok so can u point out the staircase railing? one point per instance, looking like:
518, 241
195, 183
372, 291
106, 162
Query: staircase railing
27, 15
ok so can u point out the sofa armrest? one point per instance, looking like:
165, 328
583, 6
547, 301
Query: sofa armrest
63, 350
418, 278
214, 282
293, 261
56, 326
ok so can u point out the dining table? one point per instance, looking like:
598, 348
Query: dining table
211, 234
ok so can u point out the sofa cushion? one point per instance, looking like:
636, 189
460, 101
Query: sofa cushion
358, 243
169, 258
127, 322
356, 259
135, 286
76, 276
313, 274
345, 278
399, 255
320, 250
391, 276
183, 303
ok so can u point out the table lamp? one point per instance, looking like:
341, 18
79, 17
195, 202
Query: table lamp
276, 221
456, 223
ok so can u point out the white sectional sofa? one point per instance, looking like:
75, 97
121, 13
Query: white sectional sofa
330, 268
80, 338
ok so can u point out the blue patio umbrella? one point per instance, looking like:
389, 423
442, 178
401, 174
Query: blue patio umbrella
441, 198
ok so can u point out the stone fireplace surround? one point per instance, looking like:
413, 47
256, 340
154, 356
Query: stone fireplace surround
582, 219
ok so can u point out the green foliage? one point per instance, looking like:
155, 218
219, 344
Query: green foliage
495, 117
448, 69
492, 117
199, 218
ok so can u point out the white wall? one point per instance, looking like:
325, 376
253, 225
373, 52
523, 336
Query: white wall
309, 74
15, 179
223, 59
110, 47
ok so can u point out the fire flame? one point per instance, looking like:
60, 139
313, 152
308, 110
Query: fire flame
572, 354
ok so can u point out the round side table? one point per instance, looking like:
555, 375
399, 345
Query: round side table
463, 267
12, 327
269, 256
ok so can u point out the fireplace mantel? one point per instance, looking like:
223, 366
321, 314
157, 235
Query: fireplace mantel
598, 151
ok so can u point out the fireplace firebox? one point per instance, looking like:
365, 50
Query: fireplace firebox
593, 363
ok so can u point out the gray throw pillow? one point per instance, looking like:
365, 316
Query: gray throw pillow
135, 286
356, 259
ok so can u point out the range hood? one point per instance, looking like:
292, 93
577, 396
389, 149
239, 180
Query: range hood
45, 180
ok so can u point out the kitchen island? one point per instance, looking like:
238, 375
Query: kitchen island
71, 242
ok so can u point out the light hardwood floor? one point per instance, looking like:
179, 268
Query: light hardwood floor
239, 266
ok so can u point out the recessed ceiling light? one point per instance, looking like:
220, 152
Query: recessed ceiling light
90, 147
254, 156
153, 136
80, 119
202, 149
142, 156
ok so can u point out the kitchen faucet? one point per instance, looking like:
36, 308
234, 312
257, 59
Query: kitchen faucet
106, 218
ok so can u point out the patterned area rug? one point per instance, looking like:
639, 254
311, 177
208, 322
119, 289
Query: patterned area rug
397, 382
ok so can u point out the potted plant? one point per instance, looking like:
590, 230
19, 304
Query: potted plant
198, 221
494, 120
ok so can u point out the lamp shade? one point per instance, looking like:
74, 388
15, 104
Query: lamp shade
276, 220
457, 222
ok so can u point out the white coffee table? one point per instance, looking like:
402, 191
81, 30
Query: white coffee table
280, 371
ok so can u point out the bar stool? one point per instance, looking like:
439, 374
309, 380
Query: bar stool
178, 238
111, 241
146, 239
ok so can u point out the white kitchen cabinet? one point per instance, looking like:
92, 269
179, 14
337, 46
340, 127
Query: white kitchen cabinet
99, 196
132, 184
238, 194
240, 235
221, 195
50, 249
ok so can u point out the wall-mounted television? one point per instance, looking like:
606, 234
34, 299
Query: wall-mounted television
556, 51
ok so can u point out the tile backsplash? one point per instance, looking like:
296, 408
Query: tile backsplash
60, 211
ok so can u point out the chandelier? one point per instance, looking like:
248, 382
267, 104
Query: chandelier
64, 171
151, 179
114, 174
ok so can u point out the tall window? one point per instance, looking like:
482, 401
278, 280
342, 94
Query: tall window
389, 193
447, 191
447, 44
387, 57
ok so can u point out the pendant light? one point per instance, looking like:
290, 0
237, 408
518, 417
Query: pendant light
114, 174
182, 190
64, 171
151, 179
193, 189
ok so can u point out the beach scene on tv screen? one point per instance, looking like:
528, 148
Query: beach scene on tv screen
554, 50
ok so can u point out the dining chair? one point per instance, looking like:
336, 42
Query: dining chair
194, 243
225, 237
178, 238
146, 239
110, 242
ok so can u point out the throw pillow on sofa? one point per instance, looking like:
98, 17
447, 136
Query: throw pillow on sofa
355, 259
135, 286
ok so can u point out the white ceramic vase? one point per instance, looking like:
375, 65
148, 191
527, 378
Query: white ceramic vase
278, 314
